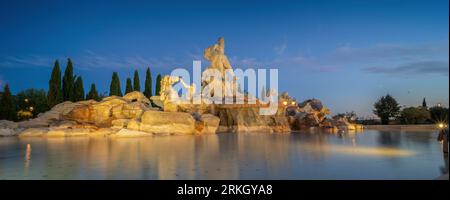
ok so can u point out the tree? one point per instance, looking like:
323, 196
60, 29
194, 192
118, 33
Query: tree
68, 82
136, 82
7, 108
148, 84
128, 87
158, 84
414, 115
386, 107
54, 86
114, 88
78, 89
424, 103
93, 94
32, 100
439, 114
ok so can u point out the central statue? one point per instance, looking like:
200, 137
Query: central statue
216, 55
168, 98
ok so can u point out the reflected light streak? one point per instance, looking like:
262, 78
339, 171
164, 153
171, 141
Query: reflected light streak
27, 157
366, 151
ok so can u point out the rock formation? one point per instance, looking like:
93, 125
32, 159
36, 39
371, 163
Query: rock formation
312, 113
128, 116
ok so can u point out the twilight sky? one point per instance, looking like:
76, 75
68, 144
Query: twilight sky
346, 53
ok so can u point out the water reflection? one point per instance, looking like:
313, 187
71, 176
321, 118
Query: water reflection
27, 158
389, 138
444, 169
315, 155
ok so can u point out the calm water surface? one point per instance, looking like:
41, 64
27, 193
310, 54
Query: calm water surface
367, 155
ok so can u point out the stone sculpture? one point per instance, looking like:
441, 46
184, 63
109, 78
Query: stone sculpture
216, 55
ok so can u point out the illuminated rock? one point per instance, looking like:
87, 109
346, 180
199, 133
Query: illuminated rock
64, 124
100, 132
134, 124
64, 107
159, 122
207, 124
137, 97
309, 113
77, 132
33, 132
80, 113
55, 132
119, 123
110, 108
241, 118
278, 123
130, 133
133, 110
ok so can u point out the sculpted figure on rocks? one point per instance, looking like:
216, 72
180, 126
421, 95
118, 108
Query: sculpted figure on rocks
216, 55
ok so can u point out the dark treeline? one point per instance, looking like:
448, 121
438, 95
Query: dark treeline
65, 87
390, 112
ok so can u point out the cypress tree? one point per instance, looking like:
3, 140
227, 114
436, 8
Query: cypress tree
136, 83
424, 103
78, 89
158, 84
54, 86
93, 94
148, 84
68, 82
7, 108
114, 88
128, 87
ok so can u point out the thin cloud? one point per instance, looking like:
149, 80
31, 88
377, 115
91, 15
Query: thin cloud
434, 55
416, 68
33, 60
90, 60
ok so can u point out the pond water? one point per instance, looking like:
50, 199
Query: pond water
369, 154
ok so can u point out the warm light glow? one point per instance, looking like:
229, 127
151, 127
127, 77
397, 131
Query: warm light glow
442, 125
284, 102
293, 103
365, 150
27, 156
31, 108
26, 100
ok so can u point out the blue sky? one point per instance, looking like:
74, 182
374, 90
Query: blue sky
346, 53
